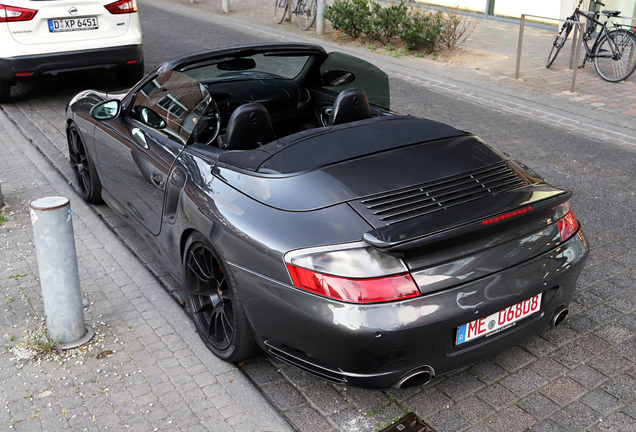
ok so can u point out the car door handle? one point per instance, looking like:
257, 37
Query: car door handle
157, 179
139, 134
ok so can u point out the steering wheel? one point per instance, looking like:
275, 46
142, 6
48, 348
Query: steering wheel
208, 126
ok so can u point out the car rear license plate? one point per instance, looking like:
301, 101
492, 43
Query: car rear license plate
498, 321
73, 24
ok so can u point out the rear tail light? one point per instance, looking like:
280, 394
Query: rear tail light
122, 7
352, 273
12, 13
506, 216
567, 223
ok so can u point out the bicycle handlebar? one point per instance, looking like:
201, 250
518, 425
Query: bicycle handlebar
595, 1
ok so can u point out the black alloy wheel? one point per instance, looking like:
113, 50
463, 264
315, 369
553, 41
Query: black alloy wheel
214, 304
87, 180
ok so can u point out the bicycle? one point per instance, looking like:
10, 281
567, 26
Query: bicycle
613, 51
305, 11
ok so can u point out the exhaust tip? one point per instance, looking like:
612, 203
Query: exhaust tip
417, 377
559, 316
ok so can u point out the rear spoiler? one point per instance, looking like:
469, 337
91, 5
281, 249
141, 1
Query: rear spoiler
462, 220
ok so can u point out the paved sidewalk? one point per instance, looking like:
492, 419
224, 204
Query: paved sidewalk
153, 373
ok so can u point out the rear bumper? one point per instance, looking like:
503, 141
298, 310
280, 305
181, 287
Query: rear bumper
115, 58
374, 346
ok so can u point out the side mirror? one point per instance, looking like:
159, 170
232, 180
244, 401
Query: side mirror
106, 110
151, 118
336, 78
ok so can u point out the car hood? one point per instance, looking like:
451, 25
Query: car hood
384, 172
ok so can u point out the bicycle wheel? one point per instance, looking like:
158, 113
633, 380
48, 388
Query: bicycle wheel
558, 43
307, 13
280, 10
617, 59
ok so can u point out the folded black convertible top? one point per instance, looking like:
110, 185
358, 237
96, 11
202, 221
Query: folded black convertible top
315, 148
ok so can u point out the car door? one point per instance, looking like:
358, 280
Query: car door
135, 152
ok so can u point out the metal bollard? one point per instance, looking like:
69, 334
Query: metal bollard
320, 18
59, 277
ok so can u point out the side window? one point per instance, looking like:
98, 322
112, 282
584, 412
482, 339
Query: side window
368, 77
175, 98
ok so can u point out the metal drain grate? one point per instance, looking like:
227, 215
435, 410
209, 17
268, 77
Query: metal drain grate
410, 423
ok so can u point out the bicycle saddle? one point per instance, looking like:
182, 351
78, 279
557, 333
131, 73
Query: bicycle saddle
611, 13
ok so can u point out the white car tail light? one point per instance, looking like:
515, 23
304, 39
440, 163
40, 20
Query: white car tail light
12, 13
122, 7
353, 273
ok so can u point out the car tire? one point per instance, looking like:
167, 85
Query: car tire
86, 178
131, 76
214, 303
5, 90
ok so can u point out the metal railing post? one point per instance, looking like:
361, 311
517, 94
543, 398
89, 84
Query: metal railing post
59, 277
579, 42
320, 18
574, 39
225, 6
520, 44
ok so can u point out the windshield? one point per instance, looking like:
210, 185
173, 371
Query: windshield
258, 66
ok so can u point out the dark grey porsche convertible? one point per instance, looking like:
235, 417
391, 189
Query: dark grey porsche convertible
305, 218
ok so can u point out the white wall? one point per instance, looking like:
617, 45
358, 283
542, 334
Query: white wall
471, 5
567, 7
514, 8
627, 8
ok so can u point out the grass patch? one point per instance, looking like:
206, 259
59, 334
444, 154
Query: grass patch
37, 344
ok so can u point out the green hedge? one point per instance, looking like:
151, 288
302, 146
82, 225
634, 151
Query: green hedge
416, 28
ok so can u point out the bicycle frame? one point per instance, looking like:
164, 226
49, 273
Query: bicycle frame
295, 8
593, 19
305, 11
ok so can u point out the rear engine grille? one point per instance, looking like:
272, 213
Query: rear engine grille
407, 203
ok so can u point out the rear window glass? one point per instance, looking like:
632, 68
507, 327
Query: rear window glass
263, 66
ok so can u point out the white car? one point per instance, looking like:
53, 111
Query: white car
46, 38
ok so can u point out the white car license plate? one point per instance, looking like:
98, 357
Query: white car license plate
73, 24
498, 321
